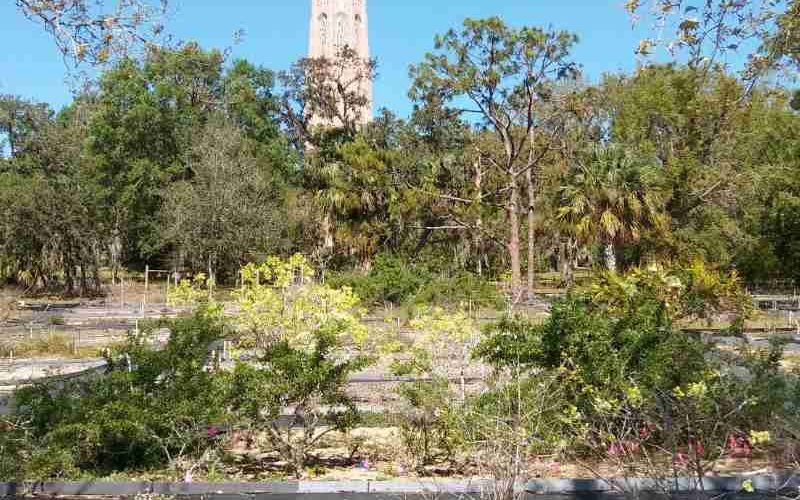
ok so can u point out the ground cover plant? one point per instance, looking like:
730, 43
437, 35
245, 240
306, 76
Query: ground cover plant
610, 383
542, 264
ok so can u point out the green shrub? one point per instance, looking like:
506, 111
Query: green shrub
151, 409
636, 379
621, 334
428, 426
463, 288
310, 378
391, 280
13, 450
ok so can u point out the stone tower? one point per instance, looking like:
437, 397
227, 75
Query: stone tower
336, 24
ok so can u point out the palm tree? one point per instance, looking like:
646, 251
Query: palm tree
606, 199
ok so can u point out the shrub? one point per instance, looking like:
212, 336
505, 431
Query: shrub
461, 289
429, 427
391, 280
151, 409
14, 448
307, 339
57, 320
639, 384
311, 380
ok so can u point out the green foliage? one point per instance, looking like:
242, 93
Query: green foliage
498, 76
429, 427
394, 280
438, 354
192, 292
152, 408
635, 384
231, 209
610, 198
780, 229
310, 380
530, 412
461, 289
148, 116
49, 186
623, 333
390, 280
14, 449
280, 302
20, 120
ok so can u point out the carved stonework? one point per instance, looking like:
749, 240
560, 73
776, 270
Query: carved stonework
338, 23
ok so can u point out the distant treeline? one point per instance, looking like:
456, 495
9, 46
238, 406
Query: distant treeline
186, 159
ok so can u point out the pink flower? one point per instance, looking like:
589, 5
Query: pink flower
646, 430
739, 446
697, 447
615, 450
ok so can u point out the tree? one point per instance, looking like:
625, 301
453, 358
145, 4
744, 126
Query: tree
704, 32
231, 210
279, 300
309, 382
97, 32
607, 199
499, 75
322, 104
325, 93
148, 116
19, 120
716, 153
52, 219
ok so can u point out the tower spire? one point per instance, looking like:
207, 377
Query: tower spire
336, 24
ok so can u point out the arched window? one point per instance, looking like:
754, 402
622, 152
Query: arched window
323, 30
341, 27
357, 29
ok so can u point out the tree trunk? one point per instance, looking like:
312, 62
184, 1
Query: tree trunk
567, 260
84, 284
327, 232
531, 233
12, 144
513, 239
610, 256
478, 239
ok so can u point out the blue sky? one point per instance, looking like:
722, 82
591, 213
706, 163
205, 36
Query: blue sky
276, 33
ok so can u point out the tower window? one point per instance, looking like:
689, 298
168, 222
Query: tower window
323, 30
341, 22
